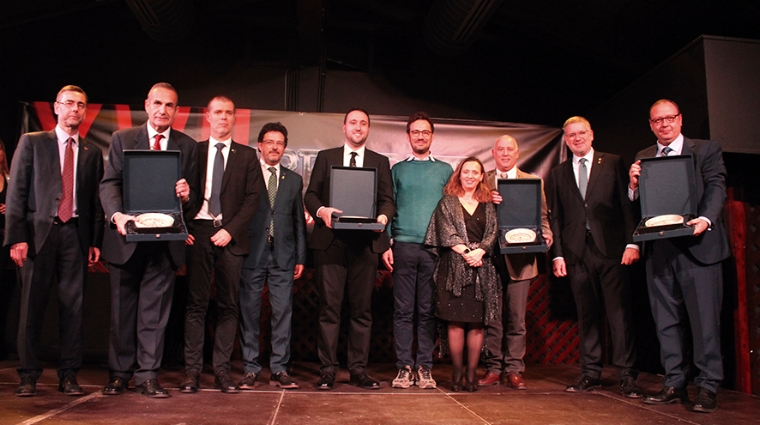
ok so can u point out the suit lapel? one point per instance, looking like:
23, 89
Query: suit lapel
596, 170
232, 159
141, 140
203, 161
282, 185
569, 177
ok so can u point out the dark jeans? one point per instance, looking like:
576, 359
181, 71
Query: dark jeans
413, 281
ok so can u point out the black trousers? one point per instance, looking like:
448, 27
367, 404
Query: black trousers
599, 285
203, 259
349, 266
60, 259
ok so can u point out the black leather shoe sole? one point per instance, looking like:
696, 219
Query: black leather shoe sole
115, 386
660, 401
704, 409
325, 383
71, 390
151, 394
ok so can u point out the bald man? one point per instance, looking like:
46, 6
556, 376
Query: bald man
516, 271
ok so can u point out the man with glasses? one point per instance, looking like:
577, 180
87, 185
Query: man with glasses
218, 243
277, 236
592, 222
685, 273
418, 185
54, 226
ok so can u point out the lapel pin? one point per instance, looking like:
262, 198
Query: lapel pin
599, 161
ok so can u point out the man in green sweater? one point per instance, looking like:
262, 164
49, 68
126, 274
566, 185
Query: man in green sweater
418, 185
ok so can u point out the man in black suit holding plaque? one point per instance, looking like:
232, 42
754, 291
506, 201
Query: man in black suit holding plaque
230, 182
592, 221
346, 260
685, 273
142, 273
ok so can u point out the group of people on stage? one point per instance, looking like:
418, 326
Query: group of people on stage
246, 226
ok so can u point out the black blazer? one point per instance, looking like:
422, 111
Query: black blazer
609, 212
318, 195
241, 188
34, 191
116, 249
712, 245
289, 223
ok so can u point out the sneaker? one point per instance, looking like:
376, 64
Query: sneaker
282, 380
424, 378
248, 382
404, 379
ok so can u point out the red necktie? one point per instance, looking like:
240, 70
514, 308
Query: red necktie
66, 206
157, 143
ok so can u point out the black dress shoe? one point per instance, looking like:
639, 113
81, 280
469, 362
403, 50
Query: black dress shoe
69, 385
584, 383
190, 384
706, 401
152, 389
629, 389
224, 383
115, 386
364, 381
668, 395
326, 381
470, 387
27, 387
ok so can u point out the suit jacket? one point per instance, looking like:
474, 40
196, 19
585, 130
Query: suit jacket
289, 223
34, 192
116, 249
318, 195
712, 245
607, 208
241, 188
522, 266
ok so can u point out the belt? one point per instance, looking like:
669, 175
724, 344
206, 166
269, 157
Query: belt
215, 222
72, 220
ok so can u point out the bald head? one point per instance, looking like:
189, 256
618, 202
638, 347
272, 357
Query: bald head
505, 152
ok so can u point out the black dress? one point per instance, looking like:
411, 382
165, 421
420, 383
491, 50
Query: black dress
464, 308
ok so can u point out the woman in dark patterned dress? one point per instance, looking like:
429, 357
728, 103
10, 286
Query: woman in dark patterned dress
462, 233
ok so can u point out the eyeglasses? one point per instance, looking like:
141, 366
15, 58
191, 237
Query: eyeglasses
73, 105
668, 120
279, 143
417, 133
573, 136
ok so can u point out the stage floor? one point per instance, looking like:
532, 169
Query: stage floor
545, 402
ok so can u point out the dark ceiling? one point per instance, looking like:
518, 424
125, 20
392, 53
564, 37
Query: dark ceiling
538, 61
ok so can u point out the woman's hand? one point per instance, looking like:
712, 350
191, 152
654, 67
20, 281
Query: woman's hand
474, 258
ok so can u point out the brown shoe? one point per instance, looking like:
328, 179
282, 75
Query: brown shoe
488, 379
513, 380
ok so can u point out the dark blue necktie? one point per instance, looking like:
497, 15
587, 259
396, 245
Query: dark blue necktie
214, 204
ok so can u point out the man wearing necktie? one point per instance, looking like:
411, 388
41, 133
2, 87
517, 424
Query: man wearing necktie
346, 260
592, 221
516, 271
142, 273
277, 236
230, 183
685, 274
54, 226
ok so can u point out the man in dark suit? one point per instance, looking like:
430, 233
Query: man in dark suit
54, 226
347, 259
278, 253
685, 273
516, 272
142, 273
592, 221
230, 182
